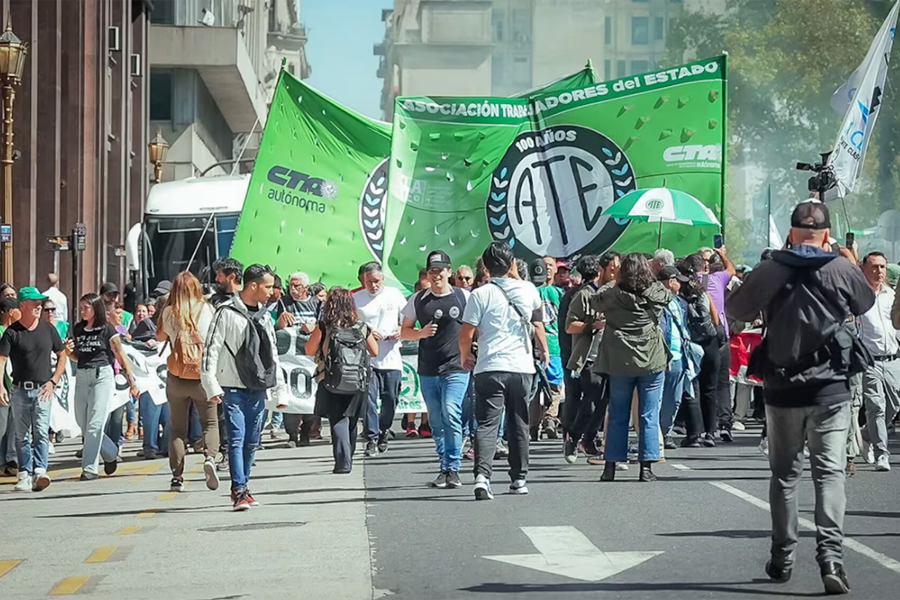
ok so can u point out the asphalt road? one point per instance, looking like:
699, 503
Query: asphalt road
700, 532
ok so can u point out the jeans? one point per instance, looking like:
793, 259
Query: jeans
494, 391
244, 411
386, 385
114, 424
881, 386
468, 411
32, 417
621, 394
825, 429
723, 388
673, 388
444, 396
93, 391
7, 436
130, 412
152, 417
585, 407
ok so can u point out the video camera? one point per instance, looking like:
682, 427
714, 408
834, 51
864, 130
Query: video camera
824, 178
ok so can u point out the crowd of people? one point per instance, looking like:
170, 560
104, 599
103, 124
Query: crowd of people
508, 353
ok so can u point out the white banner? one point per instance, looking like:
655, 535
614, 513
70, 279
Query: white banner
858, 100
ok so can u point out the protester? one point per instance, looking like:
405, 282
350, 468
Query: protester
342, 391
240, 363
563, 277
551, 269
110, 293
465, 278
881, 381
28, 344
299, 308
677, 338
662, 258
9, 314
50, 313
380, 306
544, 410
185, 323
58, 297
318, 290
633, 356
7, 290
806, 294
229, 276
443, 380
503, 313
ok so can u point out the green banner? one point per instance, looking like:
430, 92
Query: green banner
538, 171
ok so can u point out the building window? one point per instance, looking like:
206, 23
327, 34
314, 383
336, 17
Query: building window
607, 70
163, 12
620, 68
273, 16
521, 72
607, 30
498, 71
639, 66
498, 22
160, 95
640, 31
659, 26
521, 26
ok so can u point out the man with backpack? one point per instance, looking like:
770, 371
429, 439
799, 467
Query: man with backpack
444, 381
810, 350
240, 364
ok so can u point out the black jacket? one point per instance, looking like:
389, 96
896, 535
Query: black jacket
799, 320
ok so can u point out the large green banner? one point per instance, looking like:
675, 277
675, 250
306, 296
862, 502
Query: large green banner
537, 172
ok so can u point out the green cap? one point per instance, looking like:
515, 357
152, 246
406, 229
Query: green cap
893, 274
30, 293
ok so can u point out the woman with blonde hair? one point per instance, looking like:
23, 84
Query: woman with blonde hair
184, 324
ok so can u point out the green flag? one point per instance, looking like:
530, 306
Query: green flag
316, 189
538, 172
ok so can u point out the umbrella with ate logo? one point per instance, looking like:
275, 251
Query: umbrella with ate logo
662, 205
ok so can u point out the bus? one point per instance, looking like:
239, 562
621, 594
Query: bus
188, 224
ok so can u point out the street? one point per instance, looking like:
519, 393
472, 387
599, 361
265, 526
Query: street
700, 532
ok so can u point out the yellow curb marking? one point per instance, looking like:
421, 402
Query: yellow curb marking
167, 496
69, 585
129, 530
148, 514
101, 554
8, 565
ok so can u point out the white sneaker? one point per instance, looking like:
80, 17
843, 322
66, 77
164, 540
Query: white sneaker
40, 481
621, 466
883, 464
24, 484
764, 446
210, 473
738, 426
805, 450
869, 454
483, 488
518, 487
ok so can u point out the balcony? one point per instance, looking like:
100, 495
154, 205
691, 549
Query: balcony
293, 40
220, 55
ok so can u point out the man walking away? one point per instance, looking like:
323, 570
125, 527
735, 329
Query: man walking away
379, 307
881, 381
240, 363
59, 298
28, 344
228, 272
806, 294
504, 312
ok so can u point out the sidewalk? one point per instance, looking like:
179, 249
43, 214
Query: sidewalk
308, 536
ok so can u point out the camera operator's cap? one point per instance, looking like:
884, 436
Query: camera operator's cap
30, 293
537, 271
109, 288
667, 273
811, 214
438, 259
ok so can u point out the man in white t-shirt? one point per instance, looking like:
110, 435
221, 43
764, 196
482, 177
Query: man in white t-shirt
504, 311
59, 298
380, 307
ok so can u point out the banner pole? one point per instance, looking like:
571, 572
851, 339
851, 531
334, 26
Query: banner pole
724, 138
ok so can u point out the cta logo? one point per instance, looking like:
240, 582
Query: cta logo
303, 183
371, 209
551, 188
711, 153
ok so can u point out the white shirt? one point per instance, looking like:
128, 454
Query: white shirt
381, 313
502, 342
61, 302
875, 328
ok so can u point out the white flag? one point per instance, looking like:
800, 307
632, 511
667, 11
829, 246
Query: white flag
775, 239
859, 99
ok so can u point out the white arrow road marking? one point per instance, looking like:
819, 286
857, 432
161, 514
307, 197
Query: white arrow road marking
568, 552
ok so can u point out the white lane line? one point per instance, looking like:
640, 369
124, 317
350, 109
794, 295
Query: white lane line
881, 559
679, 467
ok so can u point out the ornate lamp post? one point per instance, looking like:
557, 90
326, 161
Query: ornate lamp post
13, 53
158, 147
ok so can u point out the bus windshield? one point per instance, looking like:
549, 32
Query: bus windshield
169, 243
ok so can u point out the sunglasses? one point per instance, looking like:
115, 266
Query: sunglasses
465, 278
50, 309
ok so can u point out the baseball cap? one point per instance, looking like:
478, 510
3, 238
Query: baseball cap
109, 288
811, 214
667, 273
163, 287
537, 271
438, 259
30, 293
561, 264
893, 274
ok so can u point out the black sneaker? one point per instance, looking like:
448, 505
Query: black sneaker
834, 578
177, 485
371, 448
440, 481
453, 479
707, 441
570, 450
590, 448
669, 443
110, 467
304, 441
382, 443
691, 441
726, 436
778, 574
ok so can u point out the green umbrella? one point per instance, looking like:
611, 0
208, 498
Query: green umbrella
661, 205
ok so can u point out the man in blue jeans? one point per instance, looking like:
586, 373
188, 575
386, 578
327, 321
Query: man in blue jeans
243, 400
444, 381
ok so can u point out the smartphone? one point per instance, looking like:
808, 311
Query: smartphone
718, 241
850, 240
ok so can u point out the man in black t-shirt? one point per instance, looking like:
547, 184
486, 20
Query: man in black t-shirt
28, 344
443, 380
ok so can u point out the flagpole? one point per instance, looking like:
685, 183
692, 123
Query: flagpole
769, 216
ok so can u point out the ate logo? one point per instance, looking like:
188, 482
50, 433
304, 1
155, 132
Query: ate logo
550, 190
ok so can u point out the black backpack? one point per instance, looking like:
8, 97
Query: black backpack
699, 321
254, 360
346, 360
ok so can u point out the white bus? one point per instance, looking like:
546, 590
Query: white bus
192, 218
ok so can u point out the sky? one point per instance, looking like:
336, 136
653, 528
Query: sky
342, 34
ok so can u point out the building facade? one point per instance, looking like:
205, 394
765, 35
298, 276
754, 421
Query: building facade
504, 47
80, 126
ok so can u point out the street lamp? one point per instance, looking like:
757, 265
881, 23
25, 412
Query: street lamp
13, 53
158, 148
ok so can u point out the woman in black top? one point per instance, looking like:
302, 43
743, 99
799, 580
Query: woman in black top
96, 345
